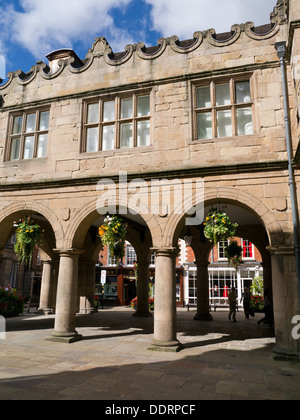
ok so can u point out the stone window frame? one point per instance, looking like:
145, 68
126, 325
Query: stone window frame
213, 108
117, 122
23, 134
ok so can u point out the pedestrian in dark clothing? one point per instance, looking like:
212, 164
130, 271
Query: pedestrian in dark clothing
232, 297
246, 302
268, 309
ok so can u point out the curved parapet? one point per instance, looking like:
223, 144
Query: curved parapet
101, 50
185, 47
223, 40
152, 52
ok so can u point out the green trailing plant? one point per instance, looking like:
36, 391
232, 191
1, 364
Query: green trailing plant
28, 235
218, 227
233, 253
113, 233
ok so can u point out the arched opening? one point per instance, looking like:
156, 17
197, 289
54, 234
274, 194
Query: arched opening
28, 281
80, 269
211, 277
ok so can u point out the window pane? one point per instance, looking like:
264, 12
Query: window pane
93, 113
204, 126
203, 97
224, 124
28, 148
126, 136
42, 145
108, 137
109, 111
244, 121
18, 121
44, 121
143, 106
30, 123
126, 108
223, 95
15, 149
92, 140
143, 136
242, 92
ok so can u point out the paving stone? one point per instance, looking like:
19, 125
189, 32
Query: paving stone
219, 361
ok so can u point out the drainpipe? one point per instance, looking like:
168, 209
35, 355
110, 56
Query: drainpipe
281, 51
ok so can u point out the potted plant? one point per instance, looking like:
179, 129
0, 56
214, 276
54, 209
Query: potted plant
28, 235
113, 233
11, 305
218, 227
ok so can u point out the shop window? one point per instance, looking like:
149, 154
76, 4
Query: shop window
118, 123
28, 135
223, 110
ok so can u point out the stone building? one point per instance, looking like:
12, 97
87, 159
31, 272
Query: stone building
77, 135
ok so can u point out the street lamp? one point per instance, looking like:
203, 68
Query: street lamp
281, 52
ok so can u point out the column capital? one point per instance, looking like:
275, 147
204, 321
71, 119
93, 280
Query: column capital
281, 249
165, 251
202, 264
71, 252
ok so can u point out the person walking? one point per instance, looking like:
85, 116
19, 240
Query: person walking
232, 298
269, 317
246, 298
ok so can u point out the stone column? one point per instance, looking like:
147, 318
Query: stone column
66, 304
87, 288
285, 301
203, 312
46, 289
143, 289
165, 301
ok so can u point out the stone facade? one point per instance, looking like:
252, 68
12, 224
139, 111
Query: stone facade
246, 170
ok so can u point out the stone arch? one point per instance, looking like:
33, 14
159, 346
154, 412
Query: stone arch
87, 215
9, 214
230, 195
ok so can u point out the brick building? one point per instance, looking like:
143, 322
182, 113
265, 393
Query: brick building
77, 134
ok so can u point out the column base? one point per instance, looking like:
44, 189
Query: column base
284, 355
45, 311
166, 346
142, 314
57, 337
200, 317
88, 311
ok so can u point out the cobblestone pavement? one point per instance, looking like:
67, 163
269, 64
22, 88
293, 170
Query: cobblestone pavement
220, 360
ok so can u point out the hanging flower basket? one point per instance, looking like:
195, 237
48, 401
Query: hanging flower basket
28, 235
113, 233
233, 253
218, 227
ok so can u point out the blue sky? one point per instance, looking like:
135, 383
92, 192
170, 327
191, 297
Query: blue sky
30, 29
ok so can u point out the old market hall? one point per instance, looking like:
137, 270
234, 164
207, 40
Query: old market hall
160, 136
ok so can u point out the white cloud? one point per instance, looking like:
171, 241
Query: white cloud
45, 25
41, 26
184, 17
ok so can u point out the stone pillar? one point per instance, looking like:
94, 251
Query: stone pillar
165, 301
143, 290
285, 301
67, 292
267, 275
87, 287
46, 289
203, 312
